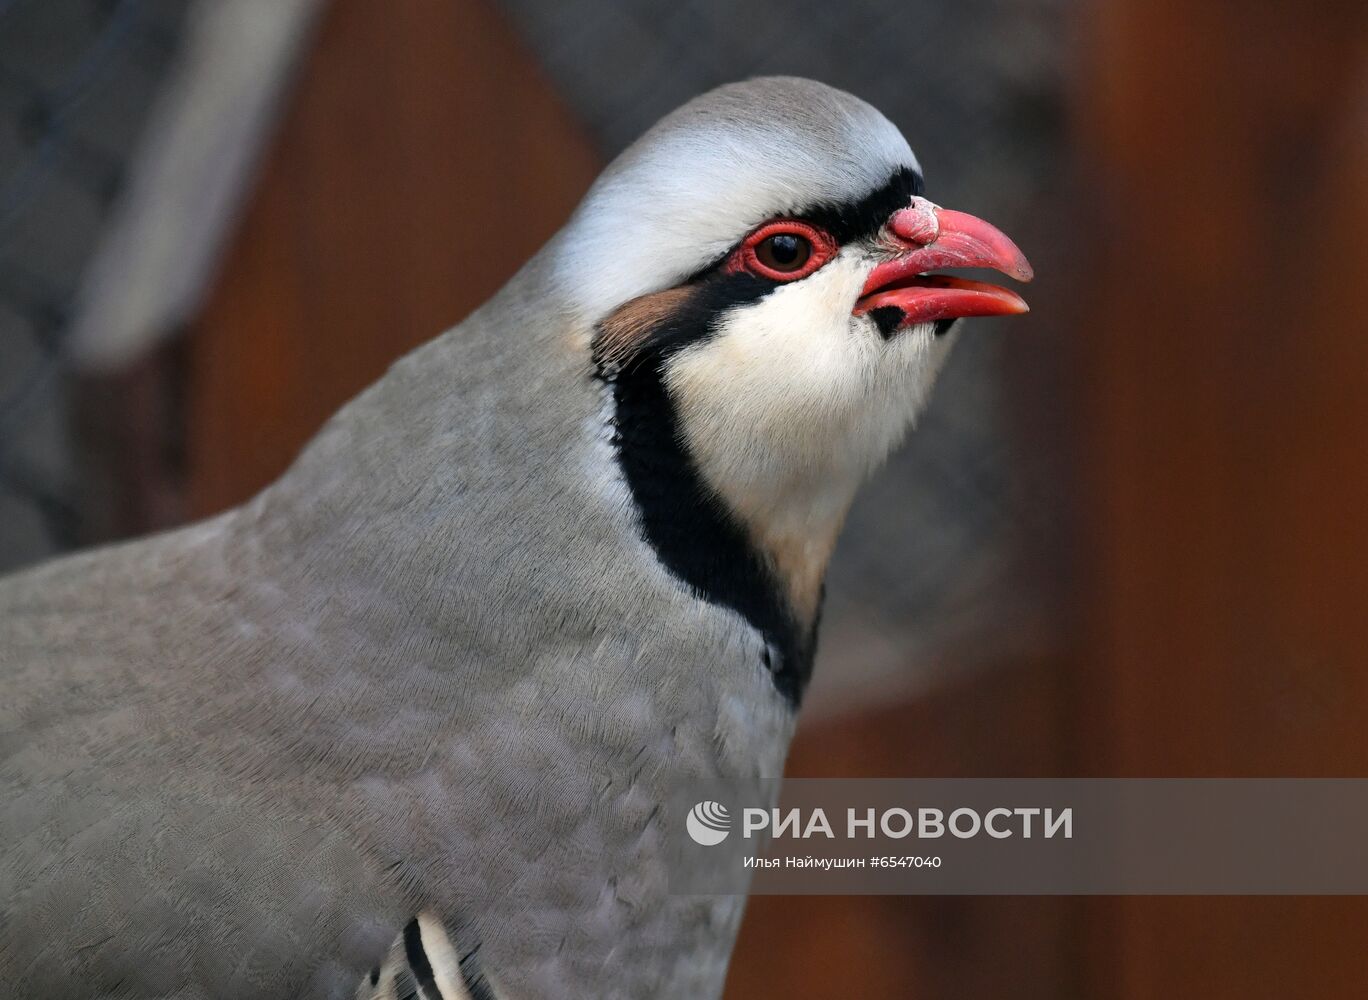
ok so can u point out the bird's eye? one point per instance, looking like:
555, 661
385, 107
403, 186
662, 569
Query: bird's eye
783, 250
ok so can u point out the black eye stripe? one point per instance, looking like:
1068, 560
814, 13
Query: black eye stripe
862, 219
854, 220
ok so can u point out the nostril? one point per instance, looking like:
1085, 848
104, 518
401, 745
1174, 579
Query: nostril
916, 224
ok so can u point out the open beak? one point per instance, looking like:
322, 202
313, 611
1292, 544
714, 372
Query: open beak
936, 237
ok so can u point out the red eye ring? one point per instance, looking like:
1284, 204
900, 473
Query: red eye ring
747, 257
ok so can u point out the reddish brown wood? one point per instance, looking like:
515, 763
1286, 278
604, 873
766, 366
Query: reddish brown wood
1225, 430
423, 159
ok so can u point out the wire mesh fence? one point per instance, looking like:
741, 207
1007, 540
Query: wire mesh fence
77, 81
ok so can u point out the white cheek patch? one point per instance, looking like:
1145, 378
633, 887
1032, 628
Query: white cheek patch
795, 386
794, 402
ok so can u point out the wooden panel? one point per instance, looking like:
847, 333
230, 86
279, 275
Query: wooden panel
423, 159
1226, 433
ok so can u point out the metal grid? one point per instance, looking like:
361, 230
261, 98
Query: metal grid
77, 81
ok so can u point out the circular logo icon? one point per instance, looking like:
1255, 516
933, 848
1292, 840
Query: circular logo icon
708, 823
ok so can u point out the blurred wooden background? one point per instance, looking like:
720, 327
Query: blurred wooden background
1215, 368
1223, 455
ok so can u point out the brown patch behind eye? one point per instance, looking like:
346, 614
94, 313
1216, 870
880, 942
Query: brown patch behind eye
627, 329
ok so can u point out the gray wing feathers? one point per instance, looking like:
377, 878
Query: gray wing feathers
137, 858
236, 759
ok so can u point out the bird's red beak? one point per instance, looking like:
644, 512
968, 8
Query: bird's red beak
936, 237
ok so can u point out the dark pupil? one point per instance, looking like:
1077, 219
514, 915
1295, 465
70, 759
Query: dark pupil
785, 249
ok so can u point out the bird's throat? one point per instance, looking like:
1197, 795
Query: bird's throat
773, 582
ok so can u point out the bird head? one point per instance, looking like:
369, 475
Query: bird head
757, 271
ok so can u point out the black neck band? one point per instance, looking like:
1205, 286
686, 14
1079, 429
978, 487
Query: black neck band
693, 534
